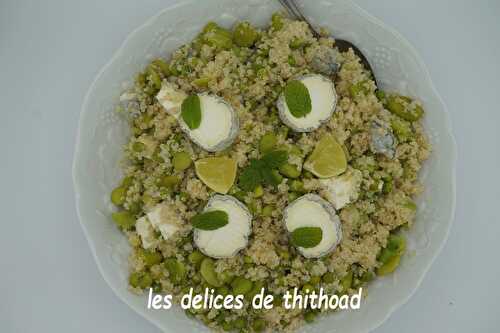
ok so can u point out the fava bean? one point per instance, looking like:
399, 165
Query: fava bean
123, 219
181, 161
259, 325
290, 170
241, 286
389, 266
196, 257
245, 35
207, 270
176, 270
267, 142
118, 195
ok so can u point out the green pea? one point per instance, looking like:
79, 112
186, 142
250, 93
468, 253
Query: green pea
297, 186
176, 270
346, 281
240, 323
388, 186
207, 270
227, 326
396, 244
297, 43
256, 289
196, 257
134, 279
141, 280
217, 37
277, 21
307, 288
389, 266
151, 257
267, 142
245, 35
170, 181
247, 259
118, 195
241, 286
290, 170
258, 192
181, 161
223, 290
292, 196
267, 210
328, 277
123, 219
138, 147
259, 325
309, 317
399, 105
183, 196
315, 280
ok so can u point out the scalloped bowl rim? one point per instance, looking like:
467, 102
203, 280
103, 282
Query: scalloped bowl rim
366, 15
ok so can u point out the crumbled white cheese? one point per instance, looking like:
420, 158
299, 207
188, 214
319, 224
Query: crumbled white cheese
146, 232
343, 189
171, 98
164, 219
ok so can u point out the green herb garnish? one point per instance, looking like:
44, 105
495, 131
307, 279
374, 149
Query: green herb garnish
297, 98
191, 111
307, 237
262, 171
211, 220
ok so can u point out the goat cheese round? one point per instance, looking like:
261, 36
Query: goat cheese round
226, 241
219, 124
323, 102
311, 210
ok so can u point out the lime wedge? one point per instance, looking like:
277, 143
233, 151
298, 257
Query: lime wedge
328, 158
218, 173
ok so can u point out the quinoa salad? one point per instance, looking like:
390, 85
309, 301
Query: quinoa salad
263, 157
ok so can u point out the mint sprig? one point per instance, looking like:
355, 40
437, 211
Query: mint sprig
263, 171
307, 237
191, 111
297, 98
210, 220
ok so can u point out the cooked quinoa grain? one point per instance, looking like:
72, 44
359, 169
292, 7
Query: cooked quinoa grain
380, 132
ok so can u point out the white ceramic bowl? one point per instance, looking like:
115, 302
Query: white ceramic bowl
397, 67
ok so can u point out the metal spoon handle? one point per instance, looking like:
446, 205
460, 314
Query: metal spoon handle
293, 10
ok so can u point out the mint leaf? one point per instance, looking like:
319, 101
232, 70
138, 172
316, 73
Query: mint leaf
275, 159
263, 171
307, 237
297, 98
210, 220
251, 176
191, 111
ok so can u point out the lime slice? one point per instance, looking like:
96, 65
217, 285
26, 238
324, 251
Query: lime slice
218, 173
328, 158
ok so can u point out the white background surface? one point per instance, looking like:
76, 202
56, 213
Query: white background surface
50, 52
